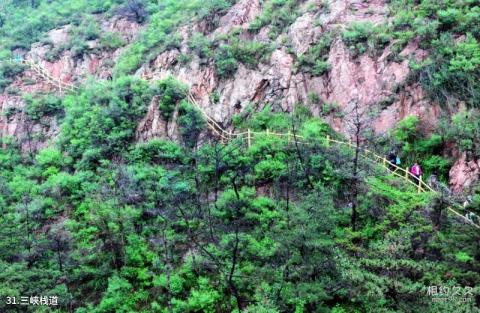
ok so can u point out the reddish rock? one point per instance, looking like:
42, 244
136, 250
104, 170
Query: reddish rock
240, 15
367, 79
154, 126
463, 174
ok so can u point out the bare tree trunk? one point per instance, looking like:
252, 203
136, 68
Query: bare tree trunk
231, 283
300, 157
59, 256
168, 267
358, 122
355, 185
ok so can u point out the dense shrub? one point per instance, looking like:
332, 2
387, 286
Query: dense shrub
159, 35
24, 24
37, 107
201, 45
112, 41
8, 71
465, 132
452, 72
157, 152
278, 14
314, 61
415, 146
191, 123
449, 31
361, 37
225, 62
232, 51
267, 119
134, 10
101, 121
170, 92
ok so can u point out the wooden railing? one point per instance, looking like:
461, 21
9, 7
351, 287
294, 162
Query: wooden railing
45, 75
249, 135
404, 173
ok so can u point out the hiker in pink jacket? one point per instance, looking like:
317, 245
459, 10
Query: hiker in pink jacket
416, 170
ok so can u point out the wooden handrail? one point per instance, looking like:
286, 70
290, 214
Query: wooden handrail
42, 72
224, 135
402, 173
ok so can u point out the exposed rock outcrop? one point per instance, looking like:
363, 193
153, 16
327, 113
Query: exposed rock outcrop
34, 135
367, 79
240, 15
370, 79
464, 173
153, 125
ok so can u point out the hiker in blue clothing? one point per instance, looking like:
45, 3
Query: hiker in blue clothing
393, 160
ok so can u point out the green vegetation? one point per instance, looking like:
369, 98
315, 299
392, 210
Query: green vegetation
112, 41
314, 61
261, 223
227, 51
464, 129
416, 146
37, 106
201, 46
170, 92
25, 22
278, 14
7, 72
362, 37
160, 34
159, 225
232, 51
101, 120
449, 30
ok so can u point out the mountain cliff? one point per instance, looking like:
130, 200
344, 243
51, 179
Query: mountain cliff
239, 156
249, 55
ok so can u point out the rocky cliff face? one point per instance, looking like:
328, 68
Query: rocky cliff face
97, 62
366, 79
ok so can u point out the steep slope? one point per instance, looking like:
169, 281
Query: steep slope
117, 196
328, 56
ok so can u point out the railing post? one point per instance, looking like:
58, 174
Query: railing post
249, 140
419, 183
268, 132
288, 136
384, 162
406, 173
328, 140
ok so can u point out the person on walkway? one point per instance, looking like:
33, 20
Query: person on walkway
398, 162
468, 201
416, 171
470, 216
392, 159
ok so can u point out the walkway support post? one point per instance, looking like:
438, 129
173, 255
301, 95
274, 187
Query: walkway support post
419, 183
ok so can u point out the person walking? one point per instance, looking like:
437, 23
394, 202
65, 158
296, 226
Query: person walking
392, 159
398, 162
416, 171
